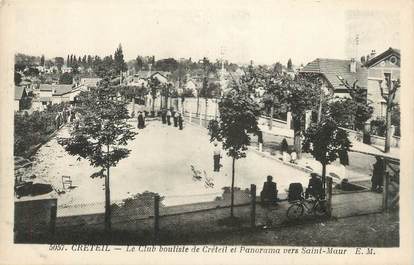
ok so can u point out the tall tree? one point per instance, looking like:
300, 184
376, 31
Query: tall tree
325, 141
119, 62
139, 63
154, 86
238, 118
42, 60
102, 135
388, 93
278, 68
59, 62
289, 64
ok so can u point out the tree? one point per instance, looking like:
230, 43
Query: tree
66, 78
119, 62
103, 133
59, 62
275, 84
42, 60
325, 141
31, 71
17, 78
388, 93
169, 64
278, 68
154, 85
357, 107
302, 94
139, 63
343, 112
238, 119
395, 119
289, 64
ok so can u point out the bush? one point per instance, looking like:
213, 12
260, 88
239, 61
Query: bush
378, 127
31, 130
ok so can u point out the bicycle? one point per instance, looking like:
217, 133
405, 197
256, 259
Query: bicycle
316, 207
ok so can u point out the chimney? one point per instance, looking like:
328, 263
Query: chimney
373, 53
352, 66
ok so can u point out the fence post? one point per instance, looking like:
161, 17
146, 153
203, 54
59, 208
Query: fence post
53, 213
329, 191
385, 192
253, 205
156, 217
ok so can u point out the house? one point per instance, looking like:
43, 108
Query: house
66, 94
136, 81
66, 69
192, 86
61, 94
162, 76
20, 98
52, 93
378, 67
335, 71
45, 90
90, 81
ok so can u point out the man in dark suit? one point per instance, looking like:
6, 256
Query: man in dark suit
315, 186
269, 193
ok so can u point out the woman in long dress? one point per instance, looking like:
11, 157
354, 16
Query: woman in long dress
141, 121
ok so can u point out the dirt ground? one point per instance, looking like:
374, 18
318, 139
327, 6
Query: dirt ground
374, 230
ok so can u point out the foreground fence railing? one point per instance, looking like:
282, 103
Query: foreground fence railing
148, 220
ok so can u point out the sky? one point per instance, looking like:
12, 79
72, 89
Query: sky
239, 31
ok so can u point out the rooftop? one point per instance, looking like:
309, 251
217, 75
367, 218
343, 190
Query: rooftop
380, 57
335, 69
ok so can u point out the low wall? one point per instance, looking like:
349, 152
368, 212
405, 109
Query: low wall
356, 203
34, 220
264, 120
375, 139
379, 140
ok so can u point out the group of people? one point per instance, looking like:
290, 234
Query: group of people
166, 115
269, 193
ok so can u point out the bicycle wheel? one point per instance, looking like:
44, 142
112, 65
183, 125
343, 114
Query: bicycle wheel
295, 211
320, 209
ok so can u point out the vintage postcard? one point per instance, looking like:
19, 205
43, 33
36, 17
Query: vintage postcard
206, 132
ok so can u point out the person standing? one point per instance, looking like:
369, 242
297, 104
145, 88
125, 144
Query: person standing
180, 121
141, 122
378, 172
176, 114
168, 117
216, 157
164, 116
